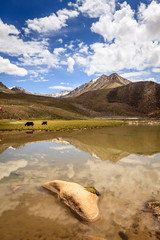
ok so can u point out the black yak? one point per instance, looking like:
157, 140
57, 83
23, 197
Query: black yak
44, 123
29, 124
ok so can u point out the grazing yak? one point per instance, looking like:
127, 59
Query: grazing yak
29, 124
44, 123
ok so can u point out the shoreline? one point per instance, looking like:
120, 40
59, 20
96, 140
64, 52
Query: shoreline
70, 125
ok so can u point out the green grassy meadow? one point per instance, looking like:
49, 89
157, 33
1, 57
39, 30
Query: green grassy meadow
57, 125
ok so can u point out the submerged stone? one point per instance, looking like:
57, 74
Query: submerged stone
16, 187
81, 201
155, 206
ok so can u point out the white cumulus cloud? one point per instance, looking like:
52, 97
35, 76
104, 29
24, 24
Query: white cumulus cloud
58, 51
28, 53
95, 8
13, 45
156, 70
70, 63
134, 74
54, 22
7, 67
119, 25
130, 42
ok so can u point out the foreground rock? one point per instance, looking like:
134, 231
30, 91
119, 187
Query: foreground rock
81, 201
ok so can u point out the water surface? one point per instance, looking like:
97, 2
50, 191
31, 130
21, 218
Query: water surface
123, 163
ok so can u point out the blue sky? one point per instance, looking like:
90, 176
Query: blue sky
49, 46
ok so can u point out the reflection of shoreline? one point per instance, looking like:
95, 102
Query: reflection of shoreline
112, 143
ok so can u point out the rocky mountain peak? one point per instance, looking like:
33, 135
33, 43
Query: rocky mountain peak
116, 78
101, 82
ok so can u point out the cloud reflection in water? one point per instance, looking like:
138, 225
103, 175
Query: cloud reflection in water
125, 186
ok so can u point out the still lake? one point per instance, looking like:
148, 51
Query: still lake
122, 163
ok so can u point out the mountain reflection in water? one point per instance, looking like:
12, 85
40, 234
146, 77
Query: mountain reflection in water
112, 143
128, 176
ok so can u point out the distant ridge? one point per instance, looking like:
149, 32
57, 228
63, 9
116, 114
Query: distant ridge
102, 82
20, 90
57, 95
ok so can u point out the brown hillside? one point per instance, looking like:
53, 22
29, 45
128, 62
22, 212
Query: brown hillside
142, 96
135, 99
27, 106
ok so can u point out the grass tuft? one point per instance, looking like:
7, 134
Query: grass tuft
92, 190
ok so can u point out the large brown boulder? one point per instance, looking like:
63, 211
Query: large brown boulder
83, 202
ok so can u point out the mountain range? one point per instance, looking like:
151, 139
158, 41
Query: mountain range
22, 90
102, 82
105, 96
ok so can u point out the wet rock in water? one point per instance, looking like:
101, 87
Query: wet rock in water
81, 201
16, 187
155, 207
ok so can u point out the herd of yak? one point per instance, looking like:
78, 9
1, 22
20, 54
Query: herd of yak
32, 124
